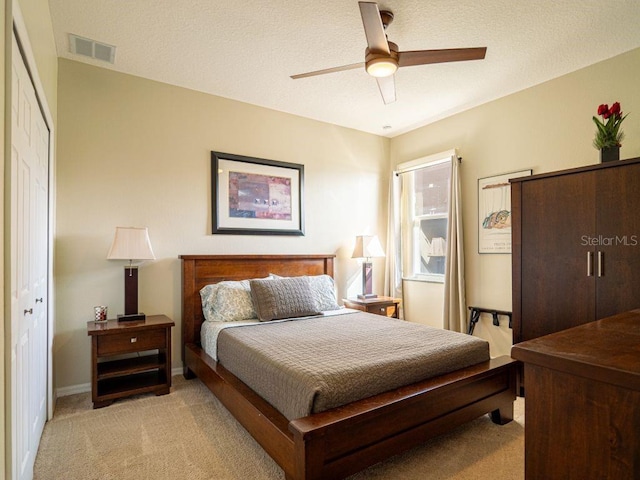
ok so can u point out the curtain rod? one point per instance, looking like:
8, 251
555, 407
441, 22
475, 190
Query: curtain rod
418, 167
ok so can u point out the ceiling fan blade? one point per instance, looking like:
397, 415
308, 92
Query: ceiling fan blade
424, 57
373, 28
387, 86
329, 70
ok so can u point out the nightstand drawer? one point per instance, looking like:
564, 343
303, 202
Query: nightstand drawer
386, 310
386, 306
131, 342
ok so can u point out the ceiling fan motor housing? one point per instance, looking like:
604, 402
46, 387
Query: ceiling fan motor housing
382, 64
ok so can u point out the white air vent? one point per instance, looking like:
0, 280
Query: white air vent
91, 48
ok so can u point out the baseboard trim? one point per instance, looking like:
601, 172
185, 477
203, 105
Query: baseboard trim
86, 387
73, 389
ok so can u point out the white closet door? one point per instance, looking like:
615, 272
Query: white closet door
29, 227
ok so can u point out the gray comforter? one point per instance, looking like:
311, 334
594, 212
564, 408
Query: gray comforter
311, 365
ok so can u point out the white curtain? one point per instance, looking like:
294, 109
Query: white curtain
454, 291
393, 264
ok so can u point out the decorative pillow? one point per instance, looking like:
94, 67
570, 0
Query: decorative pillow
208, 293
227, 301
324, 291
283, 298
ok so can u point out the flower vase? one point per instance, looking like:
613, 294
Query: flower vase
609, 154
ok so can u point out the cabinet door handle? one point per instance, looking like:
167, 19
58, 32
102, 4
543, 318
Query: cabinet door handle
28, 311
600, 263
589, 264
134, 339
38, 300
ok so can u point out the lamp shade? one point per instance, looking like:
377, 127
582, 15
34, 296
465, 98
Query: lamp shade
131, 243
367, 246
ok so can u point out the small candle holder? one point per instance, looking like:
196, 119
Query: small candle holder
100, 312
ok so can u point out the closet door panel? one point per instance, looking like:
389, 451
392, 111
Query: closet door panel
558, 214
618, 227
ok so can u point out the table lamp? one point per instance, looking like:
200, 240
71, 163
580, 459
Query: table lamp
367, 247
131, 243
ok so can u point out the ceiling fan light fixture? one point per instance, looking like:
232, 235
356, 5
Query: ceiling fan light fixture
382, 67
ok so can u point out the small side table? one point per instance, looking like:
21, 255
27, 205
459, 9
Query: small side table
114, 377
386, 306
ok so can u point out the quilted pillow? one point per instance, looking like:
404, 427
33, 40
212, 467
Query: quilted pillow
283, 298
324, 291
227, 301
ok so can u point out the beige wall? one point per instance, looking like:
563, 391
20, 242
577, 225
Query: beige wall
37, 19
134, 152
545, 128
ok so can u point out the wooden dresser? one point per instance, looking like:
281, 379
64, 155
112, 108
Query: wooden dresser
583, 396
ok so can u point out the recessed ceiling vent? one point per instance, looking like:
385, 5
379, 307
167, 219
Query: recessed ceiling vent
91, 48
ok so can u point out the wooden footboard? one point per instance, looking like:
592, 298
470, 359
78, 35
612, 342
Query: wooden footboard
345, 440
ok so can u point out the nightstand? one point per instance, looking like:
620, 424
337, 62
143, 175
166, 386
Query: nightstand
129, 358
387, 306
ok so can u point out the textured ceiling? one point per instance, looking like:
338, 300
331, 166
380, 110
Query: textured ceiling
247, 49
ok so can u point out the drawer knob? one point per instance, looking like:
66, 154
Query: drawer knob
134, 339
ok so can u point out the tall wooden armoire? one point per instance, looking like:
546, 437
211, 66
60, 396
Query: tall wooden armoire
575, 248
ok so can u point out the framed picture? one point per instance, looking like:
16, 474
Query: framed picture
494, 212
254, 196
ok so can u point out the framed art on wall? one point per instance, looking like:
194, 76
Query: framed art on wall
255, 196
494, 212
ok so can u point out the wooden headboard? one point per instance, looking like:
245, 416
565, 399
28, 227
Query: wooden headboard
201, 270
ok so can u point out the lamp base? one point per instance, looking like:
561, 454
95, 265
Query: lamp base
365, 296
132, 317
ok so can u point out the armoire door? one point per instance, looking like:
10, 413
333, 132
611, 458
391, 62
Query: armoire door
618, 240
29, 269
556, 216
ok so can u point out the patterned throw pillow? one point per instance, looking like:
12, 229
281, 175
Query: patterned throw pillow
227, 301
208, 293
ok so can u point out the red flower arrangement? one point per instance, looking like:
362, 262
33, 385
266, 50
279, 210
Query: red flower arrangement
609, 134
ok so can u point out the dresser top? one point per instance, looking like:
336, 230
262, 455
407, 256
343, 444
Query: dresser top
606, 350
113, 326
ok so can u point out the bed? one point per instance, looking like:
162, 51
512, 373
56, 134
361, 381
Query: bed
346, 439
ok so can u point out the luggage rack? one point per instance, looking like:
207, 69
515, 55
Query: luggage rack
474, 316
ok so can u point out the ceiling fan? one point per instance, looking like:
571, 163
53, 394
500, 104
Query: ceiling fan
382, 57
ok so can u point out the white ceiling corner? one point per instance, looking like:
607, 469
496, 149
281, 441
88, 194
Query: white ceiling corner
247, 50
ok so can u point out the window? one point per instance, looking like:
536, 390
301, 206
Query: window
425, 219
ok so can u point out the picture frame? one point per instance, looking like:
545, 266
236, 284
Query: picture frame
256, 196
494, 212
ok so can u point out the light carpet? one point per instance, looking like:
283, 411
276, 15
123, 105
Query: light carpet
188, 434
